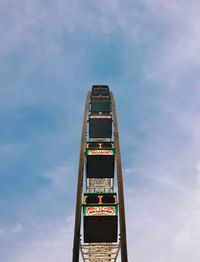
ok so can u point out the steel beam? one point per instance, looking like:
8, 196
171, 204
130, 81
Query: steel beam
124, 254
77, 225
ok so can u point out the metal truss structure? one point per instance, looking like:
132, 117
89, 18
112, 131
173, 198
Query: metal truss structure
104, 252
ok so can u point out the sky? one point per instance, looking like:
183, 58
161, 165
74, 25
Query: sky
51, 53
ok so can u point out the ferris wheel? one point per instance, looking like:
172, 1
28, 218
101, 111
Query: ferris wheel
99, 202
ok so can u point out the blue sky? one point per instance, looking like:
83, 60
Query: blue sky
51, 53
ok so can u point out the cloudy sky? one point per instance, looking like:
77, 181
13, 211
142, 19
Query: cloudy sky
51, 52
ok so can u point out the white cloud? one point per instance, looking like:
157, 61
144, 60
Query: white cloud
58, 176
162, 191
54, 245
18, 228
166, 226
176, 57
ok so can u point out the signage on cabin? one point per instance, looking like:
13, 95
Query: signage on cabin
100, 211
99, 152
100, 117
